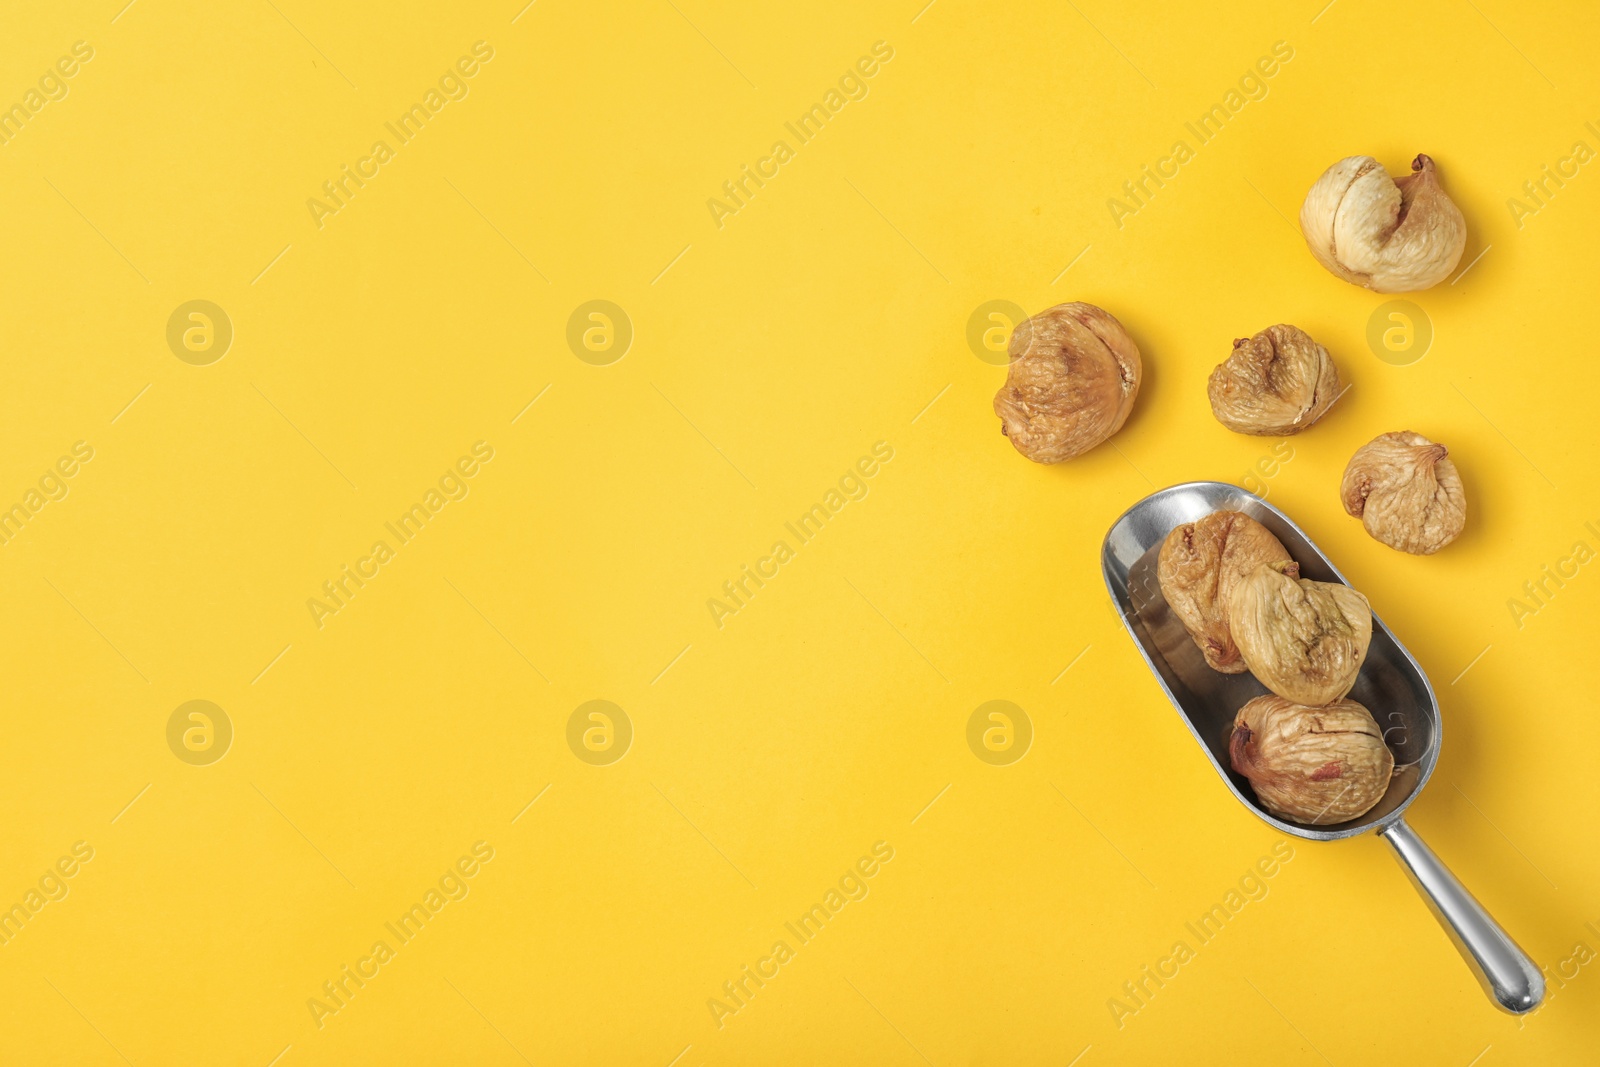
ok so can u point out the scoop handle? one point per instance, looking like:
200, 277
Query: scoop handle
1506, 973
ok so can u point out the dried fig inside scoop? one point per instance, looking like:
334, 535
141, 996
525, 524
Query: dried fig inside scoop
1274, 384
1303, 640
1311, 765
1390, 235
1405, 492
1073, 378
1199, 565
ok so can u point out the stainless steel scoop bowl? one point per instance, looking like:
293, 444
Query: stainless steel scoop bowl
1391, 686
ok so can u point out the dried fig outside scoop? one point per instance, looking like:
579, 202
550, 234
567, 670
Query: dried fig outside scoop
1311, 765
1303, 640
1073, 378
1405, 492
1199, 565
1390, 235
1274, 384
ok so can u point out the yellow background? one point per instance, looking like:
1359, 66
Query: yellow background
769, 354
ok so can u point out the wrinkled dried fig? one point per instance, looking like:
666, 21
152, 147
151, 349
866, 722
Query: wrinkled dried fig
1274, 384
1199, 565
1073, 377
1390, 235
1311, 765
1303, 640
1405, 492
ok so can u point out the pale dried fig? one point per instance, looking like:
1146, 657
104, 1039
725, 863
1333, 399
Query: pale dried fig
1390, 235
1303, 640
1316, 766
1405, 492
1274, 384
1073, 378
1199, 565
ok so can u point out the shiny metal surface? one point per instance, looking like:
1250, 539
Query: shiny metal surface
1391, 685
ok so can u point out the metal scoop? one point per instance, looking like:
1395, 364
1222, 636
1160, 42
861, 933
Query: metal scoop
1391, 686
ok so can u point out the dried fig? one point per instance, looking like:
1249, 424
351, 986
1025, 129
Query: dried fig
1073, 377
1390, 235
1199, 565
1405, 492
1311, 765
1303, 640
1274, 384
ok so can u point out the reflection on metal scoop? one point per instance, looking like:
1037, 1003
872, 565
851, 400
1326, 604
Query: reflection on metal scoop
1391, 686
